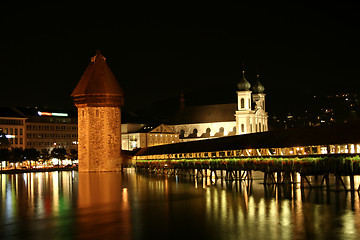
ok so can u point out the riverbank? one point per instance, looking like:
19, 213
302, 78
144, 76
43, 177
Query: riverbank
52, 169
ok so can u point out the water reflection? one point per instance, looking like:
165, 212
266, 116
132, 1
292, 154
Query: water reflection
103, 206
68, 205
33, 203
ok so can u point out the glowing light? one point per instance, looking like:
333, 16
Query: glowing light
60, 114
10, 136
52, 114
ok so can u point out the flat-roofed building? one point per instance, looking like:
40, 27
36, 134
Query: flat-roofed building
12, 124
149, 136
32, 127
50, 128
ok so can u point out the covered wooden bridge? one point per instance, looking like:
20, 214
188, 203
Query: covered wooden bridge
309, 151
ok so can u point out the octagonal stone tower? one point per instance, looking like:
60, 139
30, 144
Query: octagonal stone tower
99, 97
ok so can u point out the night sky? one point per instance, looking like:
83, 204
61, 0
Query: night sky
297, 48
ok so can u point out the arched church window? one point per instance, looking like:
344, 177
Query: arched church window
206, 134
259, 127
221, 130
242, 103
242, 128
194, 133
182, 133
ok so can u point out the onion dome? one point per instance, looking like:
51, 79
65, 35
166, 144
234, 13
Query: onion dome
98, 85
243, 85
258, 87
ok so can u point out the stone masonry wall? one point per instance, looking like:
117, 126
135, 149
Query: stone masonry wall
99, 134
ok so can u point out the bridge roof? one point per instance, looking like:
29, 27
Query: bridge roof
308, 136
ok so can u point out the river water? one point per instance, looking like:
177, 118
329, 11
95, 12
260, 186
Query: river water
129, 205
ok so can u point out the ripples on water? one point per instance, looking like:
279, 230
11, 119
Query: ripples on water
68, 205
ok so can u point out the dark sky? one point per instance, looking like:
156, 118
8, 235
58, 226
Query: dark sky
156, 53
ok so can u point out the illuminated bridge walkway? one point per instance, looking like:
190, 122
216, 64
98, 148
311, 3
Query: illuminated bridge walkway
285, 156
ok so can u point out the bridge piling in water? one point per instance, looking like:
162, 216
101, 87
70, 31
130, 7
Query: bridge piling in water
278, 170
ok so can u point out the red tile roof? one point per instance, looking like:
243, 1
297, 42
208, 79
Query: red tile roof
98, 84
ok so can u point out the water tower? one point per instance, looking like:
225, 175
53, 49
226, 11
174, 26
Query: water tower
98, 98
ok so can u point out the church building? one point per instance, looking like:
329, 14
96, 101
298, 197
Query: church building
248, 115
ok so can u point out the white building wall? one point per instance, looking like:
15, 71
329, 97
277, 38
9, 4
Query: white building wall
201, 128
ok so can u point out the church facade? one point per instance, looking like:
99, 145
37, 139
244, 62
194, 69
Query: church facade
248, 115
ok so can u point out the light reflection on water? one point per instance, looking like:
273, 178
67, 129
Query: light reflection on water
68, 205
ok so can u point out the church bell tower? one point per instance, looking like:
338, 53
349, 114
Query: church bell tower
98, 98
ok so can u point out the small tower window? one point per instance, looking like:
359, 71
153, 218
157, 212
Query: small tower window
242, 103
259, 127
242, 128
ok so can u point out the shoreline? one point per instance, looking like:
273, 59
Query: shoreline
15, 171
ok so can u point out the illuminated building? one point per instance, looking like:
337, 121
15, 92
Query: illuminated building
32, 127
98, 97
208, 121
251, 116
12, 124
149, 136
48, 129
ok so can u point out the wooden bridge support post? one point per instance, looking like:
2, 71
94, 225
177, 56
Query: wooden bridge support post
265, 177
286, 177
293, 175
249, 175
327, 181
338, 182
278, 178
352, 183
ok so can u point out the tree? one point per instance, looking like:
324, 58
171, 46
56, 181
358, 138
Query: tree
16, 155
44, 155
59, 153
73, 155
31, 154
4, 156
4, 142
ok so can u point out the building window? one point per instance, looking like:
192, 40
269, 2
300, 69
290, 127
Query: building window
259, 127
21, 131
182, 133
250, 127
221, 130
242, 128
242, 103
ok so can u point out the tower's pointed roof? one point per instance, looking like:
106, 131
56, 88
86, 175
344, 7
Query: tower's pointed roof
98, 82
258, 87
244, 85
